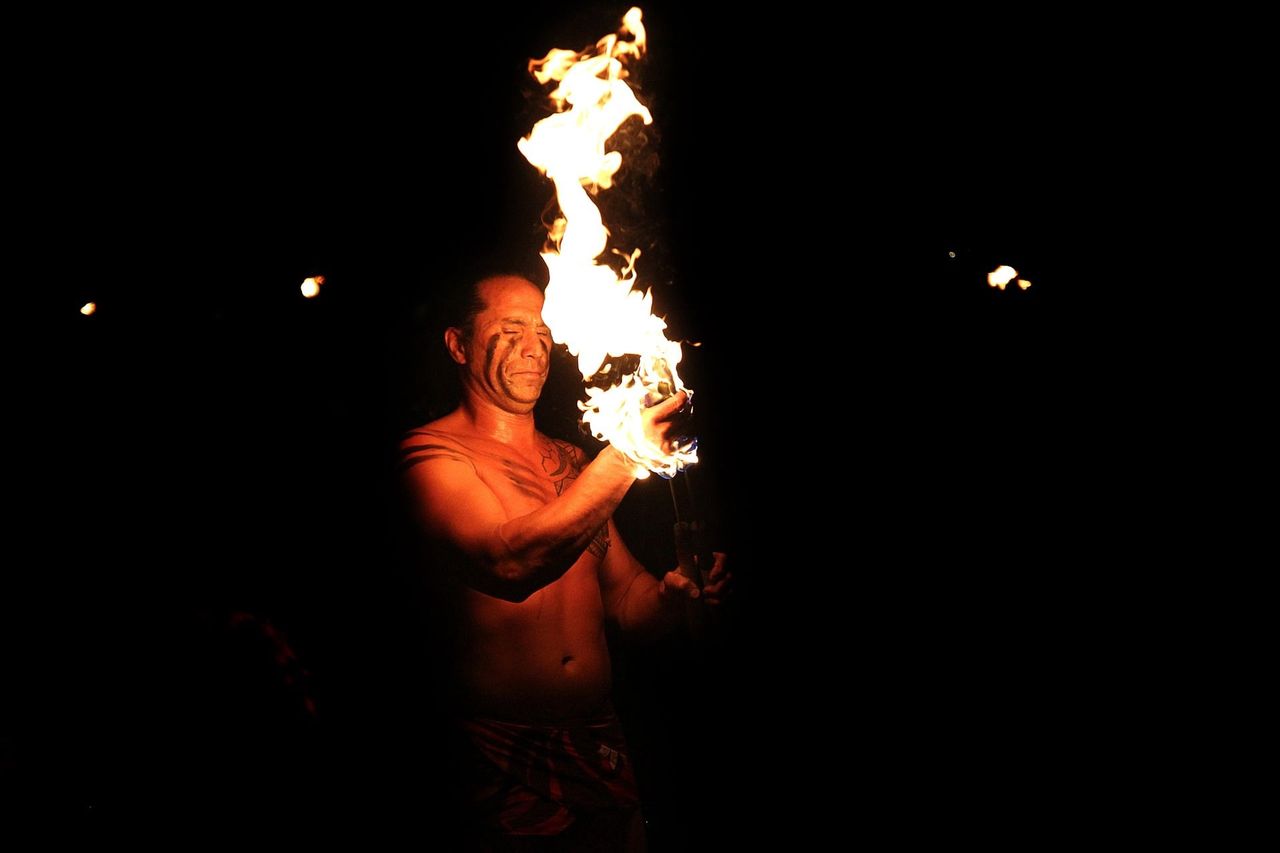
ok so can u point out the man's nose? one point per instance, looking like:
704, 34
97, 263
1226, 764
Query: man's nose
531, 345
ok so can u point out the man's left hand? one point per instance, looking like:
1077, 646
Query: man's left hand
714, 591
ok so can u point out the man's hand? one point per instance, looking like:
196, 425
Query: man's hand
662, 420
716, 589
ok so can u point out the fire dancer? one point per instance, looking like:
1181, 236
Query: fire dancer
524, 551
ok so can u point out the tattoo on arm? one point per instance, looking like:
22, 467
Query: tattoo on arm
561, 463
600, 542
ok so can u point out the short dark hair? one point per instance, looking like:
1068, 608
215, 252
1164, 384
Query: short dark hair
462, 302
462, 308
426, 380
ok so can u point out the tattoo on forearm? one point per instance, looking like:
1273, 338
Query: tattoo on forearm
600, 542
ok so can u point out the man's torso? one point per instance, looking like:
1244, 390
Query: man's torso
544, 658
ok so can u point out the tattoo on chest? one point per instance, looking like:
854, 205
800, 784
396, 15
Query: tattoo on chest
560, 465
414, 454
517, 475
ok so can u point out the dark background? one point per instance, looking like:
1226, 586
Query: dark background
882, 433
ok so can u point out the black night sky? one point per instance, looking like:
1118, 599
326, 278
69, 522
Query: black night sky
819, 202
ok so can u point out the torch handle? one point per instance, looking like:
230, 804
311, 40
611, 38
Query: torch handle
706, 558
695, 614
685, 551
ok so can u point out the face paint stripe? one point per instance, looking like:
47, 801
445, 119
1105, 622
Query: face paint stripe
489, 350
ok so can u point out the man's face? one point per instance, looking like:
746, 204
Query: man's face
509, 348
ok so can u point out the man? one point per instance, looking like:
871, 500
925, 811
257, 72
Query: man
526, 554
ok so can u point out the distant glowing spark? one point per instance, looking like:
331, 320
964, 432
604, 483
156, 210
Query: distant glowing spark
311, 285
1001, 276
88, 308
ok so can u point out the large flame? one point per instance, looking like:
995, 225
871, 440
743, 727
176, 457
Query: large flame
590, 308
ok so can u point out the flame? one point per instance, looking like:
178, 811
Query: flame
1024, 283
594, 311
311, 285
88, 308
1001, 276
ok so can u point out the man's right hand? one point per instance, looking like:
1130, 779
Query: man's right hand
662, 421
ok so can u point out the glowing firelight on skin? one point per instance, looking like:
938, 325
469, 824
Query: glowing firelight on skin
88, 308
311, 285
588, 307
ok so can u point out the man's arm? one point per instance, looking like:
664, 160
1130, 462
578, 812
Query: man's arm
633, 598
641, 603
512, 558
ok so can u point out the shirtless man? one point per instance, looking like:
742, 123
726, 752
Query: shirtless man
523, 543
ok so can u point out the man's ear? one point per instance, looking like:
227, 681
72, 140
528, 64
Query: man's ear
453, 342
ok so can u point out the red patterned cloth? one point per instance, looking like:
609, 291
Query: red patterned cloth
539, 779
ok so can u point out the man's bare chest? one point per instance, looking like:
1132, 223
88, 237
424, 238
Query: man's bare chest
541, 475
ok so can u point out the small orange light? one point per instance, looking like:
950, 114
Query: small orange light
1024, 283
1001, 276
311, 286
89, 308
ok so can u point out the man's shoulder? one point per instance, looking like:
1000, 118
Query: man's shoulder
448, 428
434, 440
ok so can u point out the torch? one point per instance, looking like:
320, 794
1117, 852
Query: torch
623, 353
598, 313
691, 550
